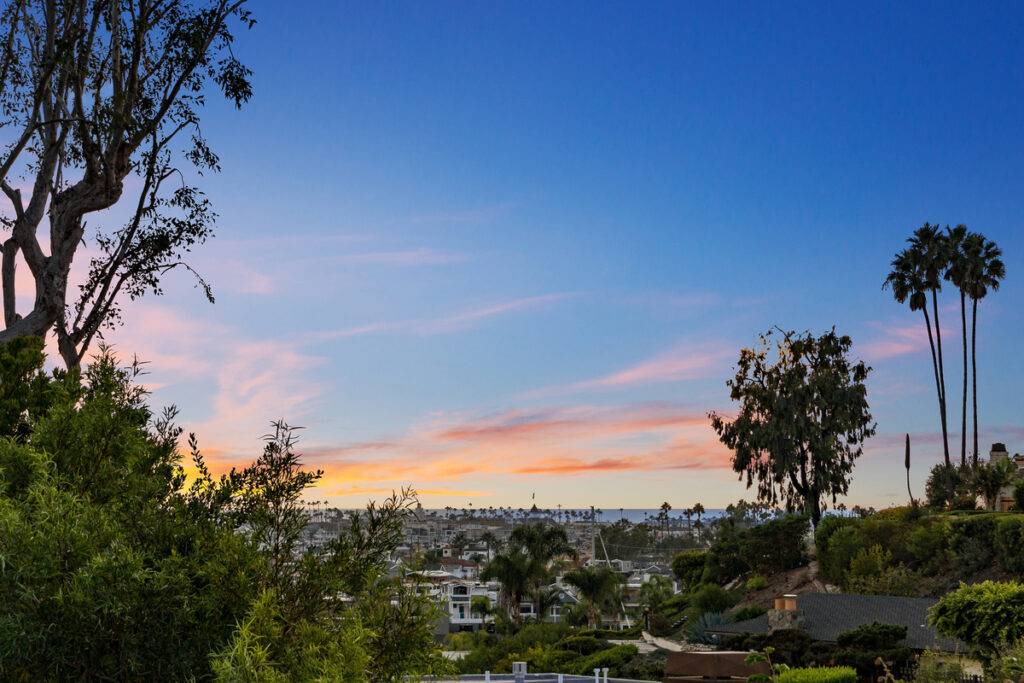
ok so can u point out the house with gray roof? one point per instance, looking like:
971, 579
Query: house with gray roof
823, 616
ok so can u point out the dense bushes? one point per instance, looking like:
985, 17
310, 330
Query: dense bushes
712, 598
115, 566
1010, 543
830, 674
857, 649
553, 647
774, 546
688, 566
987, 616
905, 554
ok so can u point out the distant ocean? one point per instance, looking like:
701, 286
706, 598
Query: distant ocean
608, 516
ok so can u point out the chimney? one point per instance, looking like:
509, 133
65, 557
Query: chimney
998, 452
784, 614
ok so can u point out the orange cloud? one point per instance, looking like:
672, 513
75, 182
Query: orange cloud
543, 442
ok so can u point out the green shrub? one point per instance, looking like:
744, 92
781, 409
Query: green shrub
1010, 543
725, 560
1018, 494
824, 674
756, 583
790, 646
948, 485
583, 645
928, 545
842, 546
688, 566
613, 658
712, 598
777, 545
935, 668
972, 541
873, 635
987, 616
1008, 666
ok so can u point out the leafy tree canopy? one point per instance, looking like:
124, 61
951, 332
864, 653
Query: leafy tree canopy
802, 421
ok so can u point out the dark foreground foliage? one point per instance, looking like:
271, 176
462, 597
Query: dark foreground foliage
116, 565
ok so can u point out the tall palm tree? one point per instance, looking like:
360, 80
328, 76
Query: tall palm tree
984, 271
957, 273
513, 571
910, 282
597, 586
541, 543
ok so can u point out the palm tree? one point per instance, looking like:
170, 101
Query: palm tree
957, 272
910, 280
663, 515
597, 586
689, 513
698, 510
984, 271
513, 571
541, 543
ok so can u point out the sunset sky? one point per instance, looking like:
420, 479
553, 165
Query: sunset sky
492, 249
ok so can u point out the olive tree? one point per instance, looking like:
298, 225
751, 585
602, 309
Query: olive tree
100, 103
802, 421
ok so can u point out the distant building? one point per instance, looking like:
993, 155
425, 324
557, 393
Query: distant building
999, 454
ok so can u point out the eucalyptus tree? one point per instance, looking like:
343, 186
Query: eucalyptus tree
101, 101
803, 418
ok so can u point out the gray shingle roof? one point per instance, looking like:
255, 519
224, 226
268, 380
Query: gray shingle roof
826, 615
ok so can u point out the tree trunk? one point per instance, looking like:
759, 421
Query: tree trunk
942, 374
974, 371
938, 386
963, 413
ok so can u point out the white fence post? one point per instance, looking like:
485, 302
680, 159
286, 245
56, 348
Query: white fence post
487, 677
597, 676
604, 672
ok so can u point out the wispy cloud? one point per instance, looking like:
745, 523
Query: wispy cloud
423, 256
684, 362
446, 323
471, 317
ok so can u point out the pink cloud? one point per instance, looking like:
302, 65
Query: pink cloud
895, 340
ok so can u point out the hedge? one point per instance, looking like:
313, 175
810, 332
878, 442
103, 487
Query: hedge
1010, 543
824, 674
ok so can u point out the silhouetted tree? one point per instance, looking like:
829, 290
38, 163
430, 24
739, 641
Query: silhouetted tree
802, 421
92, 92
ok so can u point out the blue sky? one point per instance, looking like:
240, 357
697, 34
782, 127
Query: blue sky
492, 249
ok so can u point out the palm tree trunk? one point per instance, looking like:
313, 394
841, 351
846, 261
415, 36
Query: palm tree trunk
935, 369
942, 375
963, 420
974, 371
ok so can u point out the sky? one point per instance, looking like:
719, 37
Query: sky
508, 252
